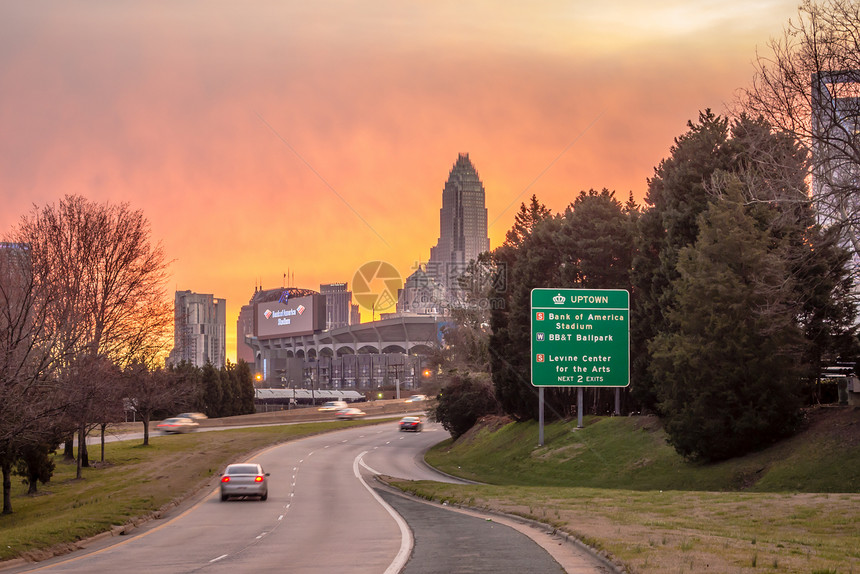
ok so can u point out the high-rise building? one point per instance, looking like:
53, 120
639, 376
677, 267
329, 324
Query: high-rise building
420, 295
338, 301
16, 282
835, 137
14, 265
462, 225
199, 329
835, 128
245, 326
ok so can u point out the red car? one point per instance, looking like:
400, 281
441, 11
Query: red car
411, 424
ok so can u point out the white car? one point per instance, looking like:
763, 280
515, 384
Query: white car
416, 398
350, 413
192, 416
177, 425
333, 406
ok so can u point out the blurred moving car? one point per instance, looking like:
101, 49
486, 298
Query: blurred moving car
177, 425
411, 424
416, 398
333, 406
193, 416
245, 479
350, 413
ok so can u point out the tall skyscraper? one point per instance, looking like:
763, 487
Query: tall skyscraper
462, 225
199, 329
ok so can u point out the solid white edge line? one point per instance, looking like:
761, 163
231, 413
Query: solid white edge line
364, 464
406, 540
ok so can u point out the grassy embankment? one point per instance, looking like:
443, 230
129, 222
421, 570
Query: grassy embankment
617, 485
135, 482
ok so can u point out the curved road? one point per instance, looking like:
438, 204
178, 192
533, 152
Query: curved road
323, 515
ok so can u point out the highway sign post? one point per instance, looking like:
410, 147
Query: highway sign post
579, 338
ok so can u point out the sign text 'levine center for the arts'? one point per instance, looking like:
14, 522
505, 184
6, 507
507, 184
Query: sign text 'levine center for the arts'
580, 337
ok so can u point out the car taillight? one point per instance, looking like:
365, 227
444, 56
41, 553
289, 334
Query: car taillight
258, 479
225, 479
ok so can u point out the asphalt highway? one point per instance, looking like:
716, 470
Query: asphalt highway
326, 513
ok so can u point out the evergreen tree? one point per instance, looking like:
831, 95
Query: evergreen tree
590, 246
189, 376
506, 357
36, 465
525, 220
247, 393
535, 263
229, 391
597, 242
773, 173
463, 401
213, 393
676, 195
728, 370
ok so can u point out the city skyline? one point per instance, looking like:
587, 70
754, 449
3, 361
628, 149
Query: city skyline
261, 139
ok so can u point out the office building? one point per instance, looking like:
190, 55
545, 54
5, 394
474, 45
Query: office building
15, 265
420, 295
338, 304
200, 328
462, 225
835, 129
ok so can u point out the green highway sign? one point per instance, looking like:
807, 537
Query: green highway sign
580, 337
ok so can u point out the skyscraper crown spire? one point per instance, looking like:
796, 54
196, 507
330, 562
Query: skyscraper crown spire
462, 224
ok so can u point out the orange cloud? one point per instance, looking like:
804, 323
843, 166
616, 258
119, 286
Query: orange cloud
312, 137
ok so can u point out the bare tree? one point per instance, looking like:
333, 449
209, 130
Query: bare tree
100, 261
153, 390
30, 346
91, 395
100, 257
808, 85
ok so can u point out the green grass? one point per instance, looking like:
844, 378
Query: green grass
136, 481
617, 485
632, 453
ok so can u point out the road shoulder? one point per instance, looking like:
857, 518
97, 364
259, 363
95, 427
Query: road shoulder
572, 554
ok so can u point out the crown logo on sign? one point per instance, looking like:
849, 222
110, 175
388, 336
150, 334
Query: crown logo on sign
558, 299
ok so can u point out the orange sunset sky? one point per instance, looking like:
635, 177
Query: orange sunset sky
267, 137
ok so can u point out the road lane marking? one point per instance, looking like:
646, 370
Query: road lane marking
364, 464
406, 539
219, 558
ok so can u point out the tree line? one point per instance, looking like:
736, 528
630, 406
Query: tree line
742, 277
84, 324
738, 295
